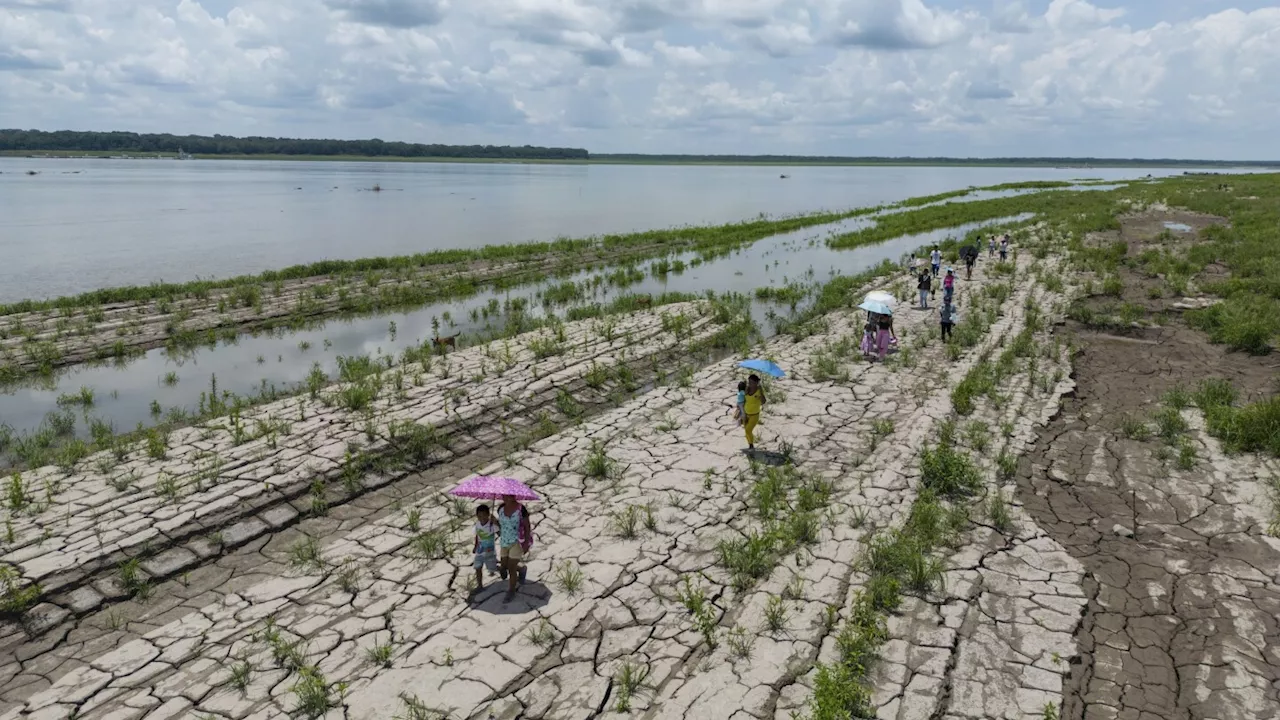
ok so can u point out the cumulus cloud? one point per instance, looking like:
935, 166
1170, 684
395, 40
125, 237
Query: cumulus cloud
54, 5
392, 13
1001, 77
895, 25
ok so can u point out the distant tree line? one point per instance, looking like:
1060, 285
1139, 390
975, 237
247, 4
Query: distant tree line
97, 142
34, 141
932, 161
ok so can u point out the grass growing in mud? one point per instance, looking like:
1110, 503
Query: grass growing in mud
787, 504
364, 379
1254, 427
896, 562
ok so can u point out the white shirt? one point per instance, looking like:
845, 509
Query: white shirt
936, 255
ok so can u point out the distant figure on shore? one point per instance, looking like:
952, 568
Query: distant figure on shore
1004, 248
935, 260
991, 246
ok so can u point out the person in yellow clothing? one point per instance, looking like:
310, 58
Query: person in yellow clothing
755, 400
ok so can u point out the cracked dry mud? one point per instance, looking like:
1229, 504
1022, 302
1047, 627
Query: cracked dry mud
174, 660
243, 477
1024, 619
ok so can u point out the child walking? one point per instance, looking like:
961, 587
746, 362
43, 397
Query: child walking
485, 546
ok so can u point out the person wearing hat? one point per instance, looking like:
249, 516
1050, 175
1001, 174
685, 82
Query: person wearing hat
948, 286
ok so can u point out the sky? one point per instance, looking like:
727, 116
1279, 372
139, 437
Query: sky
959, 78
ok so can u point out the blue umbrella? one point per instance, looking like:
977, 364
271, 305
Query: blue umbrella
764, 366
876, 307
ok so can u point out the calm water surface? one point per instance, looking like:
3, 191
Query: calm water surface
81, 224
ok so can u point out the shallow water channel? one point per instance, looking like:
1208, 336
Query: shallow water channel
130, 393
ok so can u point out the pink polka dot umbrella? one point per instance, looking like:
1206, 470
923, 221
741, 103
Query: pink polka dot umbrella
484, 487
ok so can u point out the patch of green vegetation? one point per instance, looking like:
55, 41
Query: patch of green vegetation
15, 597
1254, 427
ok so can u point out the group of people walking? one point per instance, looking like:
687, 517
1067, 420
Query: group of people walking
927, 280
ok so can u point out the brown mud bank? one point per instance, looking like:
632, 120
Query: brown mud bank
1183, 582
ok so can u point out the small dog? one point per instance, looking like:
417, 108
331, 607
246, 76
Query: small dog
444, 342
644, 300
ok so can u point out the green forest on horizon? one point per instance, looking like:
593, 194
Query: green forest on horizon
61, 142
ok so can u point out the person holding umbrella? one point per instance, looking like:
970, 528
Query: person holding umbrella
513, 524
515, 538
755, 402
755, 396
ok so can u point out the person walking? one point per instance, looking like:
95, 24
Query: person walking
947, 318
935, 260
754, 402
948, 286
925, 285
991, 247
884, 333
1004, 248
515, 538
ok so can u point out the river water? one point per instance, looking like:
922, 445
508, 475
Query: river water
82, 224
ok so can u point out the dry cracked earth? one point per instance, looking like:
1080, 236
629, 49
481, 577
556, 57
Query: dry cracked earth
1116, 588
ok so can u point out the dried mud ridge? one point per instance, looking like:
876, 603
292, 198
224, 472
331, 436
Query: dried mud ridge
1001, 639
40, 339
233, 479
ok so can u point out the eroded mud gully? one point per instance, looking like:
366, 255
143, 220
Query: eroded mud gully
1183, 618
